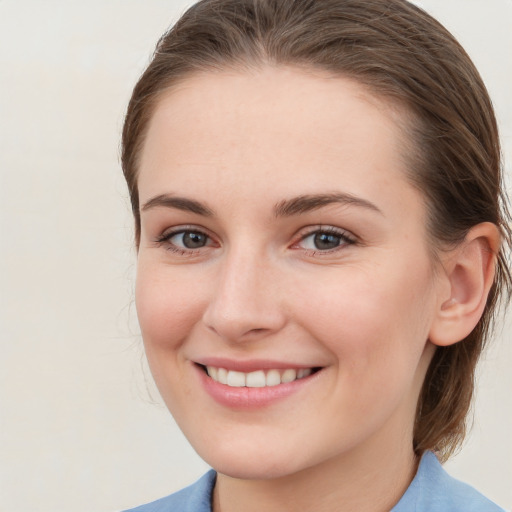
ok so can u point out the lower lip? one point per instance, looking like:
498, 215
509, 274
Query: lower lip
251, 398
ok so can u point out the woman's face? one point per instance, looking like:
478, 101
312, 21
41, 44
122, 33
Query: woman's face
284, 252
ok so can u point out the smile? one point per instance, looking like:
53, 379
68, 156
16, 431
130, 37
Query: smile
257, 379
251, 385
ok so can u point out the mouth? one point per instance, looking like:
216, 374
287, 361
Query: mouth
259, 378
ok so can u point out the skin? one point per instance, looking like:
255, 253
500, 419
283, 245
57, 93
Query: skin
240, 143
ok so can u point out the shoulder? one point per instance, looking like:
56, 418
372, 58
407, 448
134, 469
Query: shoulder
433, 490
195, 498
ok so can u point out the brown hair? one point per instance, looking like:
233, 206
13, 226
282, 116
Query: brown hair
402, 54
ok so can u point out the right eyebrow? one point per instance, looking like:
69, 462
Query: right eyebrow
178, 203
306, 203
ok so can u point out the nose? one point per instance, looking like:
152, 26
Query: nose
245, 302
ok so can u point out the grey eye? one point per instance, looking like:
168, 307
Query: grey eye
189, 239
325, 241
321, 241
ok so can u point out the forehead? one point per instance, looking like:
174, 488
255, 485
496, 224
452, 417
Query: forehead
274, 130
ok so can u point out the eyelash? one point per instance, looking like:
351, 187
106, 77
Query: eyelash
165, 239
344, 237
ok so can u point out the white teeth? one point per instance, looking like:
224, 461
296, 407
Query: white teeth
273, 378
303, 372
257, 379
212, 372
288, 376
222, 376
236, 379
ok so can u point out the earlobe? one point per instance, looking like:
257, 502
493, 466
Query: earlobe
468, 276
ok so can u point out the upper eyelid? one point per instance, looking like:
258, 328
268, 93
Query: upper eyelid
325, 228
169, 232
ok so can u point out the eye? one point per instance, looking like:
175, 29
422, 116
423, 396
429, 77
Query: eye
189, 239
326, 239
185, 240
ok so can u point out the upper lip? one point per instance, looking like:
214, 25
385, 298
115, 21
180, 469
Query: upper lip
251, 365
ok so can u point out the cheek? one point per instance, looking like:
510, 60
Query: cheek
167, 310
167, 307
375, 321
376, 331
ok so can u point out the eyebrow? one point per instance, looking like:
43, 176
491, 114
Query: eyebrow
307, 203
179, 203
286, 208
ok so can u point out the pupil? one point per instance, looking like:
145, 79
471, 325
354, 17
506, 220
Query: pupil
326, 241
194, 240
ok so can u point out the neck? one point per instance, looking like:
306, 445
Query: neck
349, 483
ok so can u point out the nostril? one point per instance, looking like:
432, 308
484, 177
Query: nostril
235, 320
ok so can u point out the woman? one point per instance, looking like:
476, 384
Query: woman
320, 229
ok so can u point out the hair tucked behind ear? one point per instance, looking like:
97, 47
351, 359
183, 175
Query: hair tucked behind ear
400, 53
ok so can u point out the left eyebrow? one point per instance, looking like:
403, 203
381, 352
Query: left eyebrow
307, 203
178, 203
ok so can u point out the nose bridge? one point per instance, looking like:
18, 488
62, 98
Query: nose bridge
245, 301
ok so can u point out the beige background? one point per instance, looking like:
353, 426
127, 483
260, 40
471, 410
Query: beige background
78, 432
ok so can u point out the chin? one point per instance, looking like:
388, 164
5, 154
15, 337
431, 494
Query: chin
251, 466
245, 470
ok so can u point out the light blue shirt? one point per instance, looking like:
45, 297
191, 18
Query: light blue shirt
432, 490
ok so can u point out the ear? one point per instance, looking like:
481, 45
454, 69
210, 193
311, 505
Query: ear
467, 276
